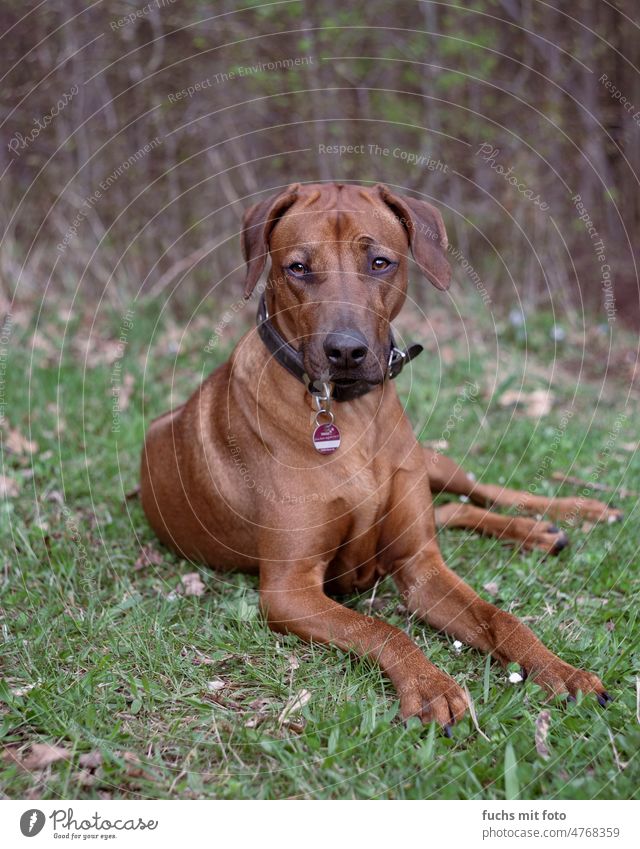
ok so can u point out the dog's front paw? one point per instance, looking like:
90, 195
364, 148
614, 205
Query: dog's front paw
558, 678
432, 695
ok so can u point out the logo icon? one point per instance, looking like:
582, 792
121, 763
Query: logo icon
32, 822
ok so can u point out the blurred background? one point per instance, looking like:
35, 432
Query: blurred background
135, 135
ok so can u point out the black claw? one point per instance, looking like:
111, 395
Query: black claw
448, 731
560, 543
571, 698
603, 698
553, 530
524, 673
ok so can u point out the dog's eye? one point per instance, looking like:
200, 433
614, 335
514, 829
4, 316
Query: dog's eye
298, 269
380, 263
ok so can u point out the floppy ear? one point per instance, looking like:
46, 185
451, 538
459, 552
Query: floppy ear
257, 224
427, 236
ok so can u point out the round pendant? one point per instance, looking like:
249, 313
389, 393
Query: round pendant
326, 438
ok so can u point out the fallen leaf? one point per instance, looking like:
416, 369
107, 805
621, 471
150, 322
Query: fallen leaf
610, 625
125, 392
149, 556
16, 443
135, 768
536, 404
91, 760
295, 704
8, 487
43, 754
543, 722
84, 778
216, 684
192, 583
492, 588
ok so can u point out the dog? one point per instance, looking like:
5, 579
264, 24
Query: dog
294, 460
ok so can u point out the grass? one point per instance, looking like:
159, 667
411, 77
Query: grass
100, 656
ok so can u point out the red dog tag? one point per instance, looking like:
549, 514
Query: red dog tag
326, 438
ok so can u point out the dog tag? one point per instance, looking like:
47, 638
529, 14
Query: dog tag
326, 438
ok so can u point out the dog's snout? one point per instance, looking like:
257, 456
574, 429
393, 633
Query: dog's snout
345, 349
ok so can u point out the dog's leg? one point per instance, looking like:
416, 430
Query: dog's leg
293, 601
526, 533
446, 476
439, 596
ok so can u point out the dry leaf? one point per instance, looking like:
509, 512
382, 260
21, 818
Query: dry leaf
192, 584
91, 760
8, 487
543, 722
216, 684
149, 556
16, 443
126, 390
43, 754
492, 588
536, 404
135, 767
294, 705
84, 778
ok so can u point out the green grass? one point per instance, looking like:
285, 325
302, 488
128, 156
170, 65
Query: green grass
120, 663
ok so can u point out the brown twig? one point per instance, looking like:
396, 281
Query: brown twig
600, 487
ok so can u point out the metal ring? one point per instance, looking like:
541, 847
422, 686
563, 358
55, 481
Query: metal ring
324, 413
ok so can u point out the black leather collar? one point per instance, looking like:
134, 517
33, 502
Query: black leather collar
291, 359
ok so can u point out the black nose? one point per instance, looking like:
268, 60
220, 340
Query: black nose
345, 349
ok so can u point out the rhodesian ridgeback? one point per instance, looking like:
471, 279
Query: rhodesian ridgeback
295, 460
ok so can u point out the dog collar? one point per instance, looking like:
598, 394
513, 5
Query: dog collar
291, 359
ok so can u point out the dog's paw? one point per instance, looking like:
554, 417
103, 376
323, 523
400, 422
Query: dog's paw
538, 536
560, 678
572, 510
433, 696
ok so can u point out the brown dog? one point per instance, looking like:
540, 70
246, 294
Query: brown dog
232, 478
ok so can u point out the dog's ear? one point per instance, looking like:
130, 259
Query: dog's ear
426, 232
257, 224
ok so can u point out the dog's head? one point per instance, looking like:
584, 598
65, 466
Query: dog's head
338, 272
